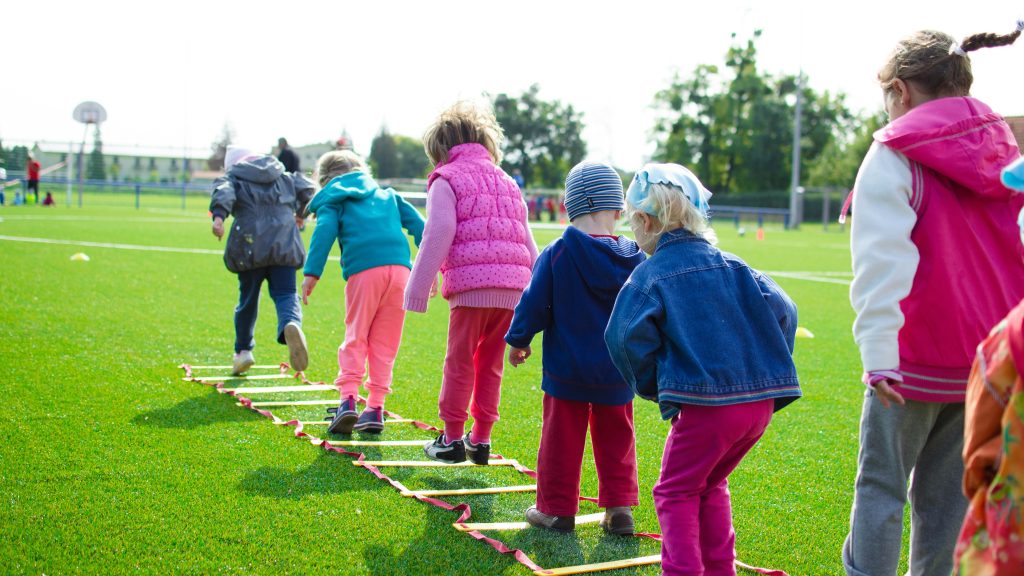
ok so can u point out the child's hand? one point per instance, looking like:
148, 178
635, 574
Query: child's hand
218, 227
433, 287
888, 395
308, 283
517, 356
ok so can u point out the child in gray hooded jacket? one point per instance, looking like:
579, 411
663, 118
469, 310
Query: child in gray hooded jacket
264, 245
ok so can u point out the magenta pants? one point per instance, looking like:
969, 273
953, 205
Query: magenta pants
473, 367
562, 440
692, 495
373, 331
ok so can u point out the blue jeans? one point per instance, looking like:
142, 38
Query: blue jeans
281, 280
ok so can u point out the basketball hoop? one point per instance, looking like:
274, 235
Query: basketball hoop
89, 113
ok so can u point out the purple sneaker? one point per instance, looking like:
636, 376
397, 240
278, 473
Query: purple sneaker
345, 417
371, 420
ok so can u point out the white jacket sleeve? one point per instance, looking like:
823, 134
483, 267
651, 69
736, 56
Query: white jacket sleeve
885, 259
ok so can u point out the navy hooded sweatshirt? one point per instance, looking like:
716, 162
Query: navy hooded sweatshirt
570, 298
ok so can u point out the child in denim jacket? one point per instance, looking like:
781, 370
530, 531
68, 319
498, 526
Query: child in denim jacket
711, 340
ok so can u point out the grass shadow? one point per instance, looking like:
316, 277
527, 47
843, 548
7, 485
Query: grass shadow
328, 474
194, 413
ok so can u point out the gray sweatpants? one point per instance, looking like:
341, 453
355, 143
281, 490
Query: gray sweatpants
926, 438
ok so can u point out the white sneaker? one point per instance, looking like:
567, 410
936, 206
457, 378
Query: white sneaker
243, 361
298, 356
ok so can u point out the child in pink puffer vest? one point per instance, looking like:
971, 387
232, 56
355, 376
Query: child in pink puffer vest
477, 236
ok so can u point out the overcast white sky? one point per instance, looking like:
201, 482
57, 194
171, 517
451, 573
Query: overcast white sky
172, 73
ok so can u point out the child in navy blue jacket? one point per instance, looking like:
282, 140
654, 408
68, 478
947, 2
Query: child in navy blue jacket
575, 282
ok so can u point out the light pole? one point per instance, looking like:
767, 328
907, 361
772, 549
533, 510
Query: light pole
795, 190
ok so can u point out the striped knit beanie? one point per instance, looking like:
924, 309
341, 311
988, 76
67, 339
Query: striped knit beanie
592, 187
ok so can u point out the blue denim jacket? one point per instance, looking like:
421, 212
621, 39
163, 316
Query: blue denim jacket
694, 325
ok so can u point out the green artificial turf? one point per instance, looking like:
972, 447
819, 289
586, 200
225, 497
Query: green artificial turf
111, 463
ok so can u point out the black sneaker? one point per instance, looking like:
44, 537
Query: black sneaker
438, 450
478, 453
371, 420
345, 417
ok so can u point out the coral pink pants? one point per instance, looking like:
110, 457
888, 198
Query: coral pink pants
472, 370
373, 331
562, 440
692, 495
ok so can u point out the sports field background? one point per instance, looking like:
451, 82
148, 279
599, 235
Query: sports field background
112, 463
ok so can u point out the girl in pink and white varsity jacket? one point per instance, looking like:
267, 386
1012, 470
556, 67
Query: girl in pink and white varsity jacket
936, 264
477, 236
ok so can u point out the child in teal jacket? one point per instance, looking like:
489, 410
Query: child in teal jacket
367, 222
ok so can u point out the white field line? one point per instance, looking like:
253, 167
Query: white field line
66, 218
118, 246
809, 276
824, 276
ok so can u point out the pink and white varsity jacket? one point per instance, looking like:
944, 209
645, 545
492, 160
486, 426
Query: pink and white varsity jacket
937, 257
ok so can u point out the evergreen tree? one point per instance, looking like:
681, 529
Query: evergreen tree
384, 155
95, 168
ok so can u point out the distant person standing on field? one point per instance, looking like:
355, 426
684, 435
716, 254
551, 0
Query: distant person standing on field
32, 168
287, 156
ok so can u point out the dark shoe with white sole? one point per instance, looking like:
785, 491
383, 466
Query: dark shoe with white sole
478, 453
452, 453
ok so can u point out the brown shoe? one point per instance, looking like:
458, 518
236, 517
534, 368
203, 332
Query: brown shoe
618, 520
557, 523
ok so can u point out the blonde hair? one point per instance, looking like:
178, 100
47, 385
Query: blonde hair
337, 162
674, 210
463, 123
930, 60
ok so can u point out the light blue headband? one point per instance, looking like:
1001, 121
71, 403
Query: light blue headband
639, 191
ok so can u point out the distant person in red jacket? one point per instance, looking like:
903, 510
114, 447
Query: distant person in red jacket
32, 167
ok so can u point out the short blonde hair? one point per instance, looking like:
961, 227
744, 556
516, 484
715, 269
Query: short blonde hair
674, 210
337, 162
463, 123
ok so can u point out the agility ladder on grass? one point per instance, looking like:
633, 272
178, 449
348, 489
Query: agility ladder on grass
427, 496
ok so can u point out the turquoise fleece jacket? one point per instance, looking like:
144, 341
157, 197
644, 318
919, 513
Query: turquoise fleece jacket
367, 222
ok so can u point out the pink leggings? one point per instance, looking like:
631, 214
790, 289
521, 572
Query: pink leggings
472, 370
373, 331
692, 495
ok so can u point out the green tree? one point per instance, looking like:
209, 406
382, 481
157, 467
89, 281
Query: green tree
219, 147
543, 139
412, 160
384, 155
733, 125
837, 165
95, 169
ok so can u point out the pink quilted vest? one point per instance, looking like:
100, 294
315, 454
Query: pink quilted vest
490, 246
971, 269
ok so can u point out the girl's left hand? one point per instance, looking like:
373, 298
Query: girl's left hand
433, 287
308, 283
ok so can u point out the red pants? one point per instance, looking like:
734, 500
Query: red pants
562, 440
473, 367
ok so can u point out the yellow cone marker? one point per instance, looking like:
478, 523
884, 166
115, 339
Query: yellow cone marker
802, 332
79, 257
